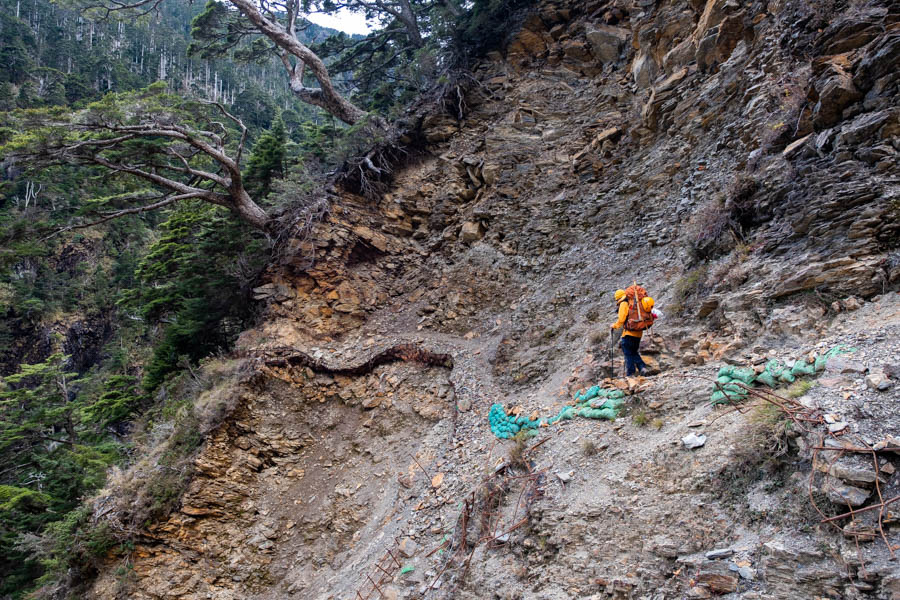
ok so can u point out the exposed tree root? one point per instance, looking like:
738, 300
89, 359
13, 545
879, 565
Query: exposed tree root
397, 353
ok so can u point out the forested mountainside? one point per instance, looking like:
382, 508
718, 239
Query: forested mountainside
86, 312
278, 347
108, 305
53, 55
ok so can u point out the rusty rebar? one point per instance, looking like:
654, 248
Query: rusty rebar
421, 467
856, 511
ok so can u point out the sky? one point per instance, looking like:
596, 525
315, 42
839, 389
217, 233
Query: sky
344, 20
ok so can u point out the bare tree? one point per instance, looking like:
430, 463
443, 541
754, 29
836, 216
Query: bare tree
179, 147
297, 57
278, 21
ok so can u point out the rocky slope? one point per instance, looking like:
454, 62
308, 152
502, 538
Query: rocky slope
740, 161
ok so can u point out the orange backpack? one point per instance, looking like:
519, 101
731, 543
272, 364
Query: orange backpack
638, 318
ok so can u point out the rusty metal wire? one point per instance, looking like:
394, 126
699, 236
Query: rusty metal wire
481, 507
802, 416
382, 573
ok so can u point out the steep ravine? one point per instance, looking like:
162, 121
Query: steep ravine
740, 161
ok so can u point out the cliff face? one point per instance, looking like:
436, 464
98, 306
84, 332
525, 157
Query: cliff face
737, 159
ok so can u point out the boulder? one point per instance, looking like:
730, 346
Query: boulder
408, 547
576, 50
840, 274
489, 173
644, 70
472, 231
466, 194
842, 494
713, 13
719, 42
859, 531
278, 292
878, 381
607, 42
663, 546
438, 128
852, 303
717, 578
856, 473
836, 92
662, 100
845, 366
705, 53
797, 147
862, 129
679, 56
693, 440
528, 43
793, 320
879, 61
849, 33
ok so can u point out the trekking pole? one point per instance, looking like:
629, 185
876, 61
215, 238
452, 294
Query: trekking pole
612, 344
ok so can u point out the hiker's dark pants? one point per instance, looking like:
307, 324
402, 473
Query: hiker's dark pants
633, 360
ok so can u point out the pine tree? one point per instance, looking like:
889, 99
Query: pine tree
48, 460
37, 408
266, 161
56, 95
28, 97
7, 96
190, 279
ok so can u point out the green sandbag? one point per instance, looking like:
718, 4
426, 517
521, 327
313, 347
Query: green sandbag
766, 378
523, 421
567, 412
589, 394
775, 367
819, 364
775, 372
728, 393
723, 379
599, 413
837, 350
779, 371
720, 398
613, 404
742, 374
801, 367
607, 404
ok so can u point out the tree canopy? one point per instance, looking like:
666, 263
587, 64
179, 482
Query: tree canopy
167, 149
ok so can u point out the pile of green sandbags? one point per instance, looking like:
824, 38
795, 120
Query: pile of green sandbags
774, 373
593, 403
506, 426
732, 381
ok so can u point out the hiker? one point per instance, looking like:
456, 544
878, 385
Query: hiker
636, 315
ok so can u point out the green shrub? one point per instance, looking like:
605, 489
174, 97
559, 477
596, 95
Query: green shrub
760, 452
799, 388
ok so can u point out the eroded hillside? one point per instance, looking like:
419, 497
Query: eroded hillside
737, 159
